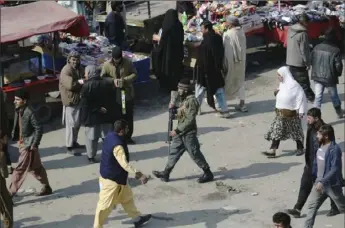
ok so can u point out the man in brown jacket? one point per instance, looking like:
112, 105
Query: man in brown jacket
124, 73
6, 205
70, 85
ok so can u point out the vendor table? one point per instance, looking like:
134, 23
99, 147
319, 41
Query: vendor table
315, 30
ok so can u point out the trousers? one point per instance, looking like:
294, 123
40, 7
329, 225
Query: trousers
305, 188
333, 91
71, 118
111, 194
187, 142
301, 75
6, 204
220, 97
317, 199
29, 162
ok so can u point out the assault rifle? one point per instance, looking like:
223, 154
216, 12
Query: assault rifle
172, 116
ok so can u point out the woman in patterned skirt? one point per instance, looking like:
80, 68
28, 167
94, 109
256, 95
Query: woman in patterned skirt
291, 107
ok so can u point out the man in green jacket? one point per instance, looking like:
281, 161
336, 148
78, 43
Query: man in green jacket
184, 136
123, 71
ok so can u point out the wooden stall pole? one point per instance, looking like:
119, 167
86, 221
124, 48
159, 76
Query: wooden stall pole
54, 52
149, 8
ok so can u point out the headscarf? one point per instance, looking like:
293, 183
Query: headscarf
291, 95
92, 71
170, 21
233, 20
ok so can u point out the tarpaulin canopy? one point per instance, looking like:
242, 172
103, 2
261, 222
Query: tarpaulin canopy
23, 21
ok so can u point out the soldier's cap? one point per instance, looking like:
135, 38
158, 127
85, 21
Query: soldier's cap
184, 84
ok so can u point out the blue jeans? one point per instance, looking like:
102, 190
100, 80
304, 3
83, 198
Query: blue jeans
220, 96
333, 91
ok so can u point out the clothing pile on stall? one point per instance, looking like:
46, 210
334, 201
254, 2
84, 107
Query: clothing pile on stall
94, 50
216, 12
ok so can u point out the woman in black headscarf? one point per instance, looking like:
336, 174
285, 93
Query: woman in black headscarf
169, 54
209, 66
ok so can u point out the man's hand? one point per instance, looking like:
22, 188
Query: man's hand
118, 83
172, 133
81, 81
34, 147
319, 187
171, 106
144, 179
103, 110
308, 67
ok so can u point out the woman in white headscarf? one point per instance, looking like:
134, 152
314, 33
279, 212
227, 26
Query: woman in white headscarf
234, 40
291, 108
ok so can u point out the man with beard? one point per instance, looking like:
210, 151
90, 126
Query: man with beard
327, 168
208, 70
312, 145
70, 85
28, 132
6, 205
184, 136
298, 54
123, 71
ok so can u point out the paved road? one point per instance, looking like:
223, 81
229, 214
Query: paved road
232, 148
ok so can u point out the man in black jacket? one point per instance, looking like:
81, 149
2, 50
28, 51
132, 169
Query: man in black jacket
115, 27
28, 132
327, 66
97, 112
307, 180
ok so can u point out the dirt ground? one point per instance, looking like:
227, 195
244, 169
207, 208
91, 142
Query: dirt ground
231, 146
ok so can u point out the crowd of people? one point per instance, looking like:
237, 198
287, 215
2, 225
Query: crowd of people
220, 73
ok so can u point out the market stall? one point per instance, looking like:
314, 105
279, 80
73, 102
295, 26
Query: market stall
216, 12
96, 49
35, 18
278, 18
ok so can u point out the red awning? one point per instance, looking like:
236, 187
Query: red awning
23, 21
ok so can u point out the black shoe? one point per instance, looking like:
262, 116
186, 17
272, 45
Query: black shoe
92, 160
70, 151
333, 212
142, 220
46, 190
163, 175
78, 146
130, 142
206, 177
294, 212
299, 152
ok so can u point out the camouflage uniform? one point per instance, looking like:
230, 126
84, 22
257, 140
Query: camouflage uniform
186, 138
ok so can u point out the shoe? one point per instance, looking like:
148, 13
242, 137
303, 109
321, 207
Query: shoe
78, 146
70, 151
163, 175
206, 177
130, 142
143, 220
333, 212
299, 152
224, 115
340, 112
241, 108
294, 212
270, 154
46, 190
92, 161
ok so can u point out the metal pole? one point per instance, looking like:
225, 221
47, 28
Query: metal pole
149, 8
279, 5
54, 52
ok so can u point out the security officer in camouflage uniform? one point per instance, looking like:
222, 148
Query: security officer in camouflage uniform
184, 136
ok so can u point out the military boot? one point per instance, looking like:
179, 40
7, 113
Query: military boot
206, 177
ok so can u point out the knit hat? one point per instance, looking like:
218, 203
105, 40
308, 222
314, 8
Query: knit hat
184, 84
22, 94
116, 52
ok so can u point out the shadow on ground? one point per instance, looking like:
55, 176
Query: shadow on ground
209, 217
257, 170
